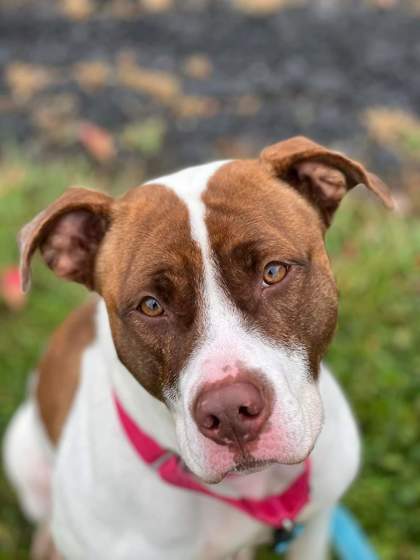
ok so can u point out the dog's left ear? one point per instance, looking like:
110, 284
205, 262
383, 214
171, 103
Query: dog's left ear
321, 175
68, 234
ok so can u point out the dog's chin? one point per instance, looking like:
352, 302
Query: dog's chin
250, 465
240, 468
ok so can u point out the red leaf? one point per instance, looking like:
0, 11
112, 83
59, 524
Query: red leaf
98, 142
10, 289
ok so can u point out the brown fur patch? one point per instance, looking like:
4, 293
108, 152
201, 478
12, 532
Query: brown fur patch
149, 252
59, 368
322, 175
253, 219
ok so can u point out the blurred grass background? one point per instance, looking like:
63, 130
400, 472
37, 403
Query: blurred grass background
106, 93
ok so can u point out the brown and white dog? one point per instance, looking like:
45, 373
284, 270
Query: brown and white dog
217, 304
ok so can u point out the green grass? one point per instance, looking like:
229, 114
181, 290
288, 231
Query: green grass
375, 354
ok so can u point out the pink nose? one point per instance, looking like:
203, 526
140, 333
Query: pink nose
231, 413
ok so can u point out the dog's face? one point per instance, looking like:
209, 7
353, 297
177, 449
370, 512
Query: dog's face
219, 293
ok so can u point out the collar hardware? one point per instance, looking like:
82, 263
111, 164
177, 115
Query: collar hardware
285, 535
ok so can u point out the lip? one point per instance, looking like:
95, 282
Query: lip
249, 466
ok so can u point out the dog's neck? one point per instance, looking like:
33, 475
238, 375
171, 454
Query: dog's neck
155, 419
147, 411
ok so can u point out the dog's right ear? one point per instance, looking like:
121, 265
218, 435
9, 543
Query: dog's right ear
319, 174
68, 234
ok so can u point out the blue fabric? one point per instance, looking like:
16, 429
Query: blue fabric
348, 538
281, 547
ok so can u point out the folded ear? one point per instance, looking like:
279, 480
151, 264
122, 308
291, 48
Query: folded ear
68, 234
321, 175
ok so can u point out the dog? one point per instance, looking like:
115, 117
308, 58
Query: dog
185, 412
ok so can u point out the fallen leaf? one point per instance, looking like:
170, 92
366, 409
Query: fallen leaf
193, 106
156, 83
198, 66
92, 75
262, 7
24, 80
97, 141
78, 9
156, 6
10, 289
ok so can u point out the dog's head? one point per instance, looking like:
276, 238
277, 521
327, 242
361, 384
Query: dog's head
219, 293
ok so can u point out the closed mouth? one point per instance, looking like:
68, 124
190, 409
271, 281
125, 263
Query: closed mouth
250, 465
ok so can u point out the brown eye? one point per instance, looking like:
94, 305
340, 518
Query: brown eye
150, 307
274, 272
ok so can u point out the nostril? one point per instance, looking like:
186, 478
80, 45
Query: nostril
211, 422
250, 411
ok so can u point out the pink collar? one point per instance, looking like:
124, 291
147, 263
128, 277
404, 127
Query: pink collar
275, 511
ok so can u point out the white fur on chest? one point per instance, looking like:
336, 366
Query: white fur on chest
108, 504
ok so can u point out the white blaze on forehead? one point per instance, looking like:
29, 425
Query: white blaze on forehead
189, 185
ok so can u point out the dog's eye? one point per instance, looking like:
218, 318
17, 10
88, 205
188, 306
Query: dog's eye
150, 306
275, 272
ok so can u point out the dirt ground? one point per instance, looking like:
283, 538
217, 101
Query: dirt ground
159, 84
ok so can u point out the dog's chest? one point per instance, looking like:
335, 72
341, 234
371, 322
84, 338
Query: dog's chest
108, 504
